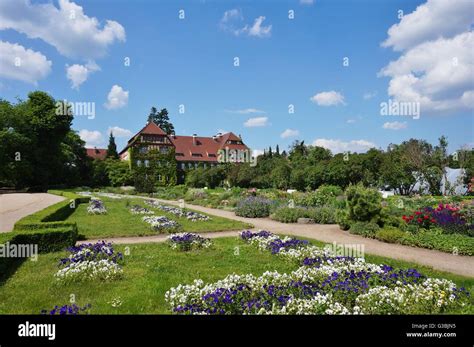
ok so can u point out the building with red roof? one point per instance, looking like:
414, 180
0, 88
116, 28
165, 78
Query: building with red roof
189, 151
97, 153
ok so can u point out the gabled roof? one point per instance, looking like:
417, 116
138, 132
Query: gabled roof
150, 129
200, 148
97, 153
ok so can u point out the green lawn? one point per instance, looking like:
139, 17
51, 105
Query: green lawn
149, 271
120, 222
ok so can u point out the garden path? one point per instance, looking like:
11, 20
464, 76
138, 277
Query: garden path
15, 206
330, 233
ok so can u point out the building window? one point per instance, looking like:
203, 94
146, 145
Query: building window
139, 163
159, 177
147, 163
164, 149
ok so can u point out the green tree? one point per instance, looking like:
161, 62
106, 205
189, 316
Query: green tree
112, 147
161, 119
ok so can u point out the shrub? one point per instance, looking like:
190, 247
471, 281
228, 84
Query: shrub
289, 215
367, 229
342, 218
323, 196
450, 243
253, 207
390, 235
364, 204
323, 215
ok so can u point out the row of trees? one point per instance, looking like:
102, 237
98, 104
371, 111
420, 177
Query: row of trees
38, 148
304, 167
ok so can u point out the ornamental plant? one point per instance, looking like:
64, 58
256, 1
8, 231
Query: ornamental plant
188, 241
162, 224
324, 284
253, 207
67, 310
364, 204
421, 218
96, 206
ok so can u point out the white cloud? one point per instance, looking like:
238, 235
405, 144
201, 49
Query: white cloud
430, 21
338, 146
259, 30
93, 138
330, 98
436, 65
19, 63
246, 111
369, 95
257, 152
119, 132
394, 125
350, 121
67, 28
256, 122
232, 20
117, 98
289, 133
78, 74
306, 2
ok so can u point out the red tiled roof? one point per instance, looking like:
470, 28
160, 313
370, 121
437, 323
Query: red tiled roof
204, 148
97, 153
152, 128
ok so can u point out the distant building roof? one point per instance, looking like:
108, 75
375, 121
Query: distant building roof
97, 153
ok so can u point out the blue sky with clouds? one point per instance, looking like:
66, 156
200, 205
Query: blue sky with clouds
333, 63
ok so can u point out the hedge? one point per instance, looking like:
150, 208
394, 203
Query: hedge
48, 240
54, 215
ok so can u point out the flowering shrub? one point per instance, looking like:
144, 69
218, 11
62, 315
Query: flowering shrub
66, 310
324, 284
188, 241
448, 217
90, 262
253, 207
136, 209
96, 206
162, 224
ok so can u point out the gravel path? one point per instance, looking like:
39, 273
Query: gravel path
18, 205
457, 264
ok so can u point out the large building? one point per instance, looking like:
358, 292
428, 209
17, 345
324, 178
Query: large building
151, 145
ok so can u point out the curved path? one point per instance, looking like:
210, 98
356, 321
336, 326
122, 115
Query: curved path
18, 205
457, 264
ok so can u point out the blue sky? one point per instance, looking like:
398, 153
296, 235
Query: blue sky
282, 62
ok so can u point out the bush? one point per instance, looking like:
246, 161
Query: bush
390, 235
364, 204
289, 215
325, 195
367, 229
450, 243
323, 215
342, 218
253, 207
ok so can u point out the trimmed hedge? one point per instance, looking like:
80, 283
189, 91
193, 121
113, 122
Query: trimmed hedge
48, 240
54, 215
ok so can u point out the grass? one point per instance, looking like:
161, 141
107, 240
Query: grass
150, 270
119, 222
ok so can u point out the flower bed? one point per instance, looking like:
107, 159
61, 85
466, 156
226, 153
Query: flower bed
179, 212
162, 224
96, 206
324, 284
188, 241
254, 207
90, 262
136, 209
67, 310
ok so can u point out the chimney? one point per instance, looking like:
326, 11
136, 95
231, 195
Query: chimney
194, 140
214, 137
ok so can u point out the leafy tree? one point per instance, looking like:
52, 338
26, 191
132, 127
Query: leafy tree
118, 172
112, 147
161, 119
